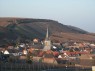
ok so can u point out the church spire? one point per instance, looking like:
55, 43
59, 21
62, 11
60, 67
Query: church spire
47, 42
47, 37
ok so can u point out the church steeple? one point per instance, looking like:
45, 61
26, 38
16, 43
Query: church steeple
47, 37
47, 42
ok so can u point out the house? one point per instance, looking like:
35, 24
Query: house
6, 52
87, 60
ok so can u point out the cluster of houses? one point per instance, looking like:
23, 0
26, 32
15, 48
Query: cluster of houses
76, 53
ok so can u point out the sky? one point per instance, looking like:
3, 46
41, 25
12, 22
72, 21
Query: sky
78, 13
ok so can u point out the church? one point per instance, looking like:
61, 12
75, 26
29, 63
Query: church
47, 42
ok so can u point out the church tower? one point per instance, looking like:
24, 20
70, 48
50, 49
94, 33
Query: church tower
47, 42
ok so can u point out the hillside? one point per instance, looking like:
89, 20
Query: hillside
25, 28
65, 37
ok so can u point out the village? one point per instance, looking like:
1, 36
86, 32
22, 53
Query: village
68, 53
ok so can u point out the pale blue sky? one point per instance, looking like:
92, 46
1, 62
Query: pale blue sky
79, 13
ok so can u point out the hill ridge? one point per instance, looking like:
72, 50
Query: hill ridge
27, 28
